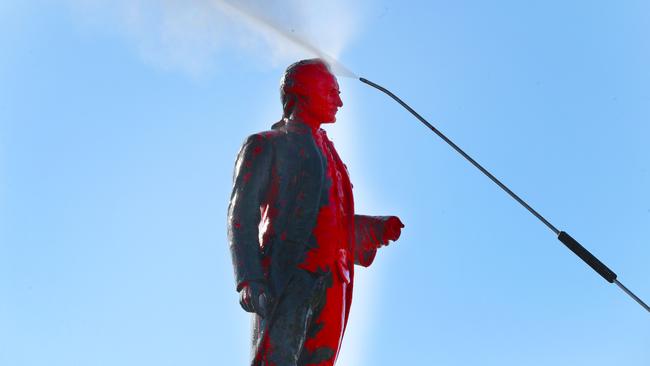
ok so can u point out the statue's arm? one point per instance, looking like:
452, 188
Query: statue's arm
372, 232
368, 232
250, 181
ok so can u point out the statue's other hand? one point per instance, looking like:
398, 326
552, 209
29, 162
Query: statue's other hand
253, 298
392, 229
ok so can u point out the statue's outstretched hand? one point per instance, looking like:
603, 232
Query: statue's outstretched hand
253, 298
392, 229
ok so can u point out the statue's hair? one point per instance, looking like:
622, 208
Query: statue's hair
290, 88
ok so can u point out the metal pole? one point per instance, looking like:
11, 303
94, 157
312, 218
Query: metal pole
562, 236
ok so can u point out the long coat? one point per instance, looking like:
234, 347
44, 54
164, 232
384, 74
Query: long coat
278, 182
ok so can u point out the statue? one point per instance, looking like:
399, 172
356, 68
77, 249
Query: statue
293, 232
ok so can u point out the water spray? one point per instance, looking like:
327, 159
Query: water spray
339, 69
260, 22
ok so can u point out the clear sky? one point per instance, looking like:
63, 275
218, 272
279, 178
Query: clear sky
120, 122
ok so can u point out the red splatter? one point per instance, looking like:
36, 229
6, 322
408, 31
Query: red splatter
333, 232
257, 150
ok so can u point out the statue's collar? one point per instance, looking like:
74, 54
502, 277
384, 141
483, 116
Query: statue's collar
293, 126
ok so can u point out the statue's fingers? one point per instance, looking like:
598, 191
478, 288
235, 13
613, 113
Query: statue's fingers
244, 301
397, 233
391, 233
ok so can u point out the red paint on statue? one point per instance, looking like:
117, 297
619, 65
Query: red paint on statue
332, 225
333, 252
319, 96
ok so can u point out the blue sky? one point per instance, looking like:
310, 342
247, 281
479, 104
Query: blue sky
118, 138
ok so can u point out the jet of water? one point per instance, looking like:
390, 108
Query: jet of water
267, 25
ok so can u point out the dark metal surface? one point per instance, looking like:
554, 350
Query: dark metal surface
632, 295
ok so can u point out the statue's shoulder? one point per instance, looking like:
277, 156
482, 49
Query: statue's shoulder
263, 143
277, 131
272, 135
281, 134
263, 137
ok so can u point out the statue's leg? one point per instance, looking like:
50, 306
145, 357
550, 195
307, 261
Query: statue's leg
279, 340
325, 333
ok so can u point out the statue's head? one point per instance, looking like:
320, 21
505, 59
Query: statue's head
310, 92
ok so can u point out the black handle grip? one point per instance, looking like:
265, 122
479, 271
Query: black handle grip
586, 256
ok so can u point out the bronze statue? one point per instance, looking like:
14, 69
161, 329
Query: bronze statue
293, 232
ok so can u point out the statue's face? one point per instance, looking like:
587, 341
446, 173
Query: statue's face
322, 98
317, 93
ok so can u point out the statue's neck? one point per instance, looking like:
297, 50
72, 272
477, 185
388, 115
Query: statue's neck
297, 119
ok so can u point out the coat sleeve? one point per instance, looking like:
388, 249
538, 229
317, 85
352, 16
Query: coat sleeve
250, 181
368, 232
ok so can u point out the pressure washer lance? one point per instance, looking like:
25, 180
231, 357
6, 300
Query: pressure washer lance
565, 238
